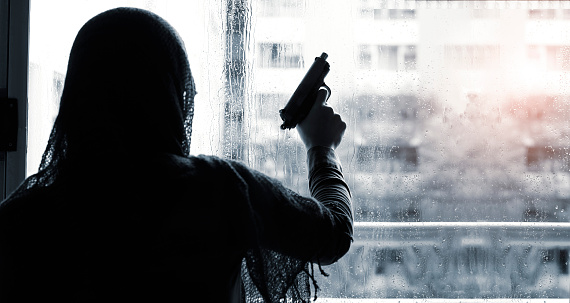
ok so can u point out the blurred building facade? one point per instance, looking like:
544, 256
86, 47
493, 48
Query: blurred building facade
457, 111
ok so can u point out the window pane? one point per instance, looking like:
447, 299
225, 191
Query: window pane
457, 148
53, 27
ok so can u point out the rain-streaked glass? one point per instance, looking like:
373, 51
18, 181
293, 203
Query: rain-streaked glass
457, 150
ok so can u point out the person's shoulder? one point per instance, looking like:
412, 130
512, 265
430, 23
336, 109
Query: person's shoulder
206, 162
25, 203
23, 196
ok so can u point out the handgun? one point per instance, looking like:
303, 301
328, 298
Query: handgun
302, 100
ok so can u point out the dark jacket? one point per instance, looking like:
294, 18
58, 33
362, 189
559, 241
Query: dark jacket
164, 227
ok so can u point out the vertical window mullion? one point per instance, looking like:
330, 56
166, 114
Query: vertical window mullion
14, 33
236, 68
4, 20
18, 87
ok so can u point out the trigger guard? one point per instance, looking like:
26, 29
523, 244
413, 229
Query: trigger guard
328, 89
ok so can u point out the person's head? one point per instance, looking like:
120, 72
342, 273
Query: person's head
128, 87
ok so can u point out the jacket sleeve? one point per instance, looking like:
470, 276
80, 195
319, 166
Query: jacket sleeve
317, 228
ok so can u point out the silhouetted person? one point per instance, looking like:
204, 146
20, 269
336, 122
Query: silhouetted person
119, 210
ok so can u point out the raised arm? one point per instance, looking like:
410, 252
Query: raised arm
319, 228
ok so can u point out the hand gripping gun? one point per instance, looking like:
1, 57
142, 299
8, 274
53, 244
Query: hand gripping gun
305, 95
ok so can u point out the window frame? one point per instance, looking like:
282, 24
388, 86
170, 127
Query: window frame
14, 41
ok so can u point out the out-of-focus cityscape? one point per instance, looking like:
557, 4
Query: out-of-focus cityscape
457, 111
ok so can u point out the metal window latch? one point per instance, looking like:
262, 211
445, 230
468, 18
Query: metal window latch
8, 124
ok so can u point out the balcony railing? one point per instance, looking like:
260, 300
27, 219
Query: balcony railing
455, 262
541, 300
503, 233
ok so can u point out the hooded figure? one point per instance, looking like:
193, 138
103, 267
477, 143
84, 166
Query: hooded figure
119, 210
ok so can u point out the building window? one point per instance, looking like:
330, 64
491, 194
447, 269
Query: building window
542, 13
394, 14
397, 107
548, 159
280, 55
281, 8
549, 57
387, 159
387, 57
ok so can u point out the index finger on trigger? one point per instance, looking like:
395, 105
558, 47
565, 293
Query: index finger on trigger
322, 96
